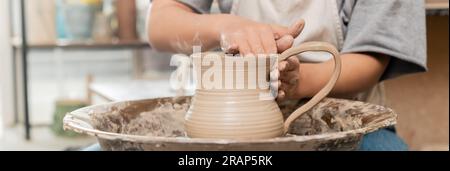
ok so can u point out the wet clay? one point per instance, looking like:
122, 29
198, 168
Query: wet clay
327, 117
166, 119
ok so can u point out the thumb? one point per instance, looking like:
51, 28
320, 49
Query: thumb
284, 43
295, 29
279, 31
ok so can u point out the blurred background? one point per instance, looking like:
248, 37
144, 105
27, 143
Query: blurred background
68, 54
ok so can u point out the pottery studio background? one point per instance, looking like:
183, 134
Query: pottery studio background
83, 52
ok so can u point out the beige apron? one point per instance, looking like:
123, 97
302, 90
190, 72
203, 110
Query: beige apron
322, 24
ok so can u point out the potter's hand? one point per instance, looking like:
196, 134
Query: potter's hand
288, 83
284, 67
247, 37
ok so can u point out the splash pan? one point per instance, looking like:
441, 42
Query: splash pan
157, 124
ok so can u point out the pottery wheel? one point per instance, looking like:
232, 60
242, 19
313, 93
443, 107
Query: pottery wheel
157, 124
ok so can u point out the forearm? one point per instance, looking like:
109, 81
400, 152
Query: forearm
359, 73
176, 28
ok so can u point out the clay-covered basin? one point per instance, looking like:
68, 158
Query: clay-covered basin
158, 124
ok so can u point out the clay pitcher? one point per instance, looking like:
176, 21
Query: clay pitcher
232, 112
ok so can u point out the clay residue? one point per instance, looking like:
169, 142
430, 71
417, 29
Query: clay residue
326, 117
166, 118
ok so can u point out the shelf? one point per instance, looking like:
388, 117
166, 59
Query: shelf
83, 45
433, 6
437, 7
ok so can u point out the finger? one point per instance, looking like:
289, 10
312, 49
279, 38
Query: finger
295, 29
228, 45
244, 48
281, 95
290, 78
284, 43
278, 31
286, 88
225, 42
282, 86
268, 41
292, 63
294, 81
232, 49
255, 43
282, 66
286, 77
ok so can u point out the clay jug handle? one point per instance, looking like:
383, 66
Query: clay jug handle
313, 46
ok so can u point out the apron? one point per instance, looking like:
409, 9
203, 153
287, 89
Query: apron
322, 23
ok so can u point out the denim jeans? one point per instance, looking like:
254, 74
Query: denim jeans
382, 140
